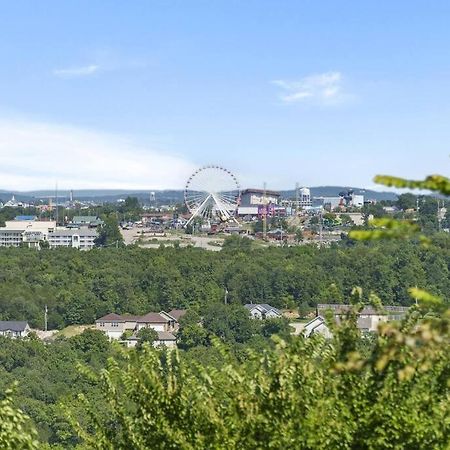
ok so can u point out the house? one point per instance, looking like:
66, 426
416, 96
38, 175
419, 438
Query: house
174, 317
115, 325
368, 317
153, 320
317, 326
262, 311
14, 329
165, 338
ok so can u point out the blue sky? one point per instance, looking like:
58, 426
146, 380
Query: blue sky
97, 94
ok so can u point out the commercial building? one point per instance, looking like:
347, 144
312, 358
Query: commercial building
26, 230
83, 239
259, 203
86, 221
29, 232
255, 197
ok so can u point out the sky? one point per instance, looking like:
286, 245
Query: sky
139, 94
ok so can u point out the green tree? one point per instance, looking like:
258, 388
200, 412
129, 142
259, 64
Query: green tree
109, 233
146, 335
406, 201
15, 430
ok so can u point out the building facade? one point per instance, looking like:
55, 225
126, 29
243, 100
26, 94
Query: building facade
83, 239
29, 232
14, 329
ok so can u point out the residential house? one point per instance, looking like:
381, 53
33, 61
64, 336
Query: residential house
165, 338
174, 317
263, 311
115, 325
14, 329
317, 326
368, 318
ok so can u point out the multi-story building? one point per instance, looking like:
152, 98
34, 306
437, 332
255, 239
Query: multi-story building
115, 325
83, 239
29, 232
260, 202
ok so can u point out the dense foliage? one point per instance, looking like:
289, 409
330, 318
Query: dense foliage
79, 287
311, 394
234, 384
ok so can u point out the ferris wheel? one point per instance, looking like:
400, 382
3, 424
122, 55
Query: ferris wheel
212, 193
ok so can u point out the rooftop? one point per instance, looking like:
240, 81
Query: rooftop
260, 191
12, 325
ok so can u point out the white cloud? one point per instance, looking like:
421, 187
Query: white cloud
73, 72
35, 155
324, 88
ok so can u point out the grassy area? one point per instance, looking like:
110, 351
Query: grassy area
73, 330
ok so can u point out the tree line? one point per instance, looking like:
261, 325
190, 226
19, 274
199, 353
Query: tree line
79, 287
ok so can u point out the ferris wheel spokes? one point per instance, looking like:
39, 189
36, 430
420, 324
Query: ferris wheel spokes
212, 193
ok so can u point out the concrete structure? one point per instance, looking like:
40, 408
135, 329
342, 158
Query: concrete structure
28, 232
262, 311
368, 318
14, 329
82, 239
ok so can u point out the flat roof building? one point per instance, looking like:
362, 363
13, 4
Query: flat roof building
83, 239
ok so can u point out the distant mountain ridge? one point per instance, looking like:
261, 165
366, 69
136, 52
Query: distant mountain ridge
174, 195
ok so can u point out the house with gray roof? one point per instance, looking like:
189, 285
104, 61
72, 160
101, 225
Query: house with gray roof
14, 329
262, 311
115, 325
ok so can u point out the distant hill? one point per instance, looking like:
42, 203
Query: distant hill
171, 195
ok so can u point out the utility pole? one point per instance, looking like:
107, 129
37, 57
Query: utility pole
56, 204
45, 319
226, 296
297, 197
320, 228
264, 201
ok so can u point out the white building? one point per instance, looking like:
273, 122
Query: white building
317, 326
263, 311
13, 203
14, 329
83, 239
30, 232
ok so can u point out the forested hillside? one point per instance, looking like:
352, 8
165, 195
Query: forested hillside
79, 287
